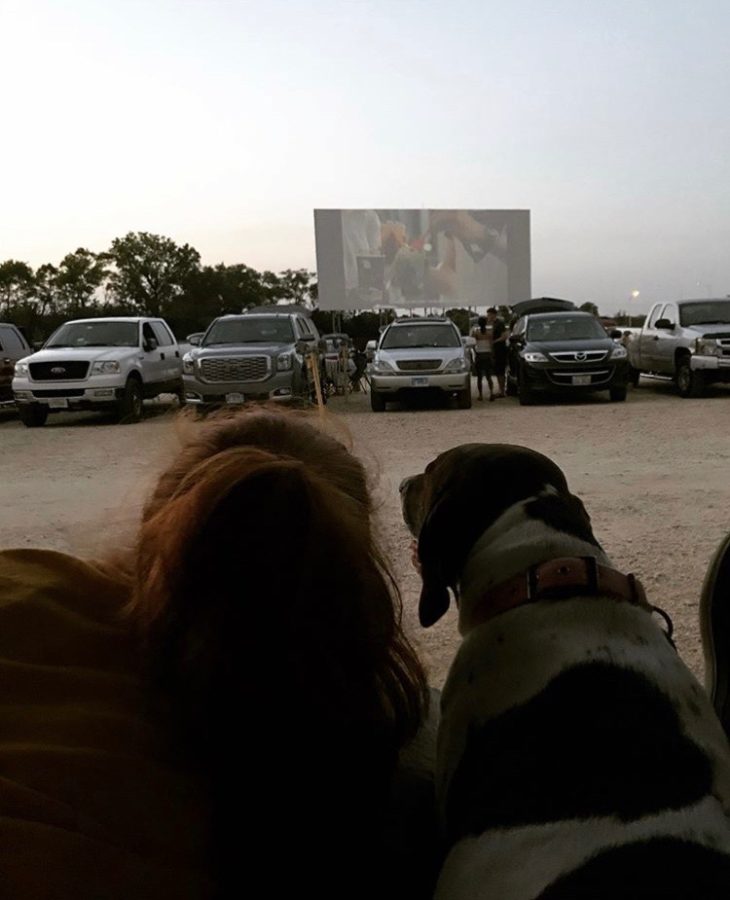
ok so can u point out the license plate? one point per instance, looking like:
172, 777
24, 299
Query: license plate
234, 398
419, 382
581, 379
58, 403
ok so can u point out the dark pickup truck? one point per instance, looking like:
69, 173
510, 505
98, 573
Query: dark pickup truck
13, 346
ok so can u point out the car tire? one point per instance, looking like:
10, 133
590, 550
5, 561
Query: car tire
690, 383
180, 394
634, 376
524, 394
129, 407
617, 394
33, 415
377, 401
463, 398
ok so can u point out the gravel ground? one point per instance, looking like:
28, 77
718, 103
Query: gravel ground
654, 473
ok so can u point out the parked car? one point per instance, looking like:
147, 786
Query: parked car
564, 352
103, 364
13, 347
687, 340
417, 355
252, 356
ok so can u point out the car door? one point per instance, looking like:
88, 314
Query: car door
154, 360
170, 355
515, 342
12, 349
665, 342
649, 339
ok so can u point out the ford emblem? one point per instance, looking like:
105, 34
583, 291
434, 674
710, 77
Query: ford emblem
58, 370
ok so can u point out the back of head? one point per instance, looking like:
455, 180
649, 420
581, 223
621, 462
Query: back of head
267, 606
482, 323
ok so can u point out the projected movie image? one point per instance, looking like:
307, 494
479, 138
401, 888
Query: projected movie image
413, 258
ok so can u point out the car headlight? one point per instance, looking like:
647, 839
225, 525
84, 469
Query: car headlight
21, 368
188, 364
457, 365
382, 365
283, 362
107, 367
707, 347
533, 356
619, 353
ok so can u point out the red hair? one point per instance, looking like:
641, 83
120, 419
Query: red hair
266, 605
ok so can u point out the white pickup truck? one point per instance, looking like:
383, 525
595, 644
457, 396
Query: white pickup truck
105, 364
687, 340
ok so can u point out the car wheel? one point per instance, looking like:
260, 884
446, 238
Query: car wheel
690, 383
377, 401
634, 376
180, 394
617, 394
130, 406
524, 394
34, 415
463, 398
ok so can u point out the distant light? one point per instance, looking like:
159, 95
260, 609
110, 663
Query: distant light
635, 294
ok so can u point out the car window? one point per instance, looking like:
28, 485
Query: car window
161, 333
420, 335
519, 326
250, 330
304, 327
147, 332
95, 334
706, 313
671, 313
565, 328
655, 316
9, 341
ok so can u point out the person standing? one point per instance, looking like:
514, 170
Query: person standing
483, 360
499, 347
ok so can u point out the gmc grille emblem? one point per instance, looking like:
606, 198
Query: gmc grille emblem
58, 370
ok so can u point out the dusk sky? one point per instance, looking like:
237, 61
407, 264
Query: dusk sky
224, 124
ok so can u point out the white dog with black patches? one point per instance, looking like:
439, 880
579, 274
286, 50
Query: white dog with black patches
577, 755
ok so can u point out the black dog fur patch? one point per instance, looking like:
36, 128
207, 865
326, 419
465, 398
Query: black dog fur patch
563, 755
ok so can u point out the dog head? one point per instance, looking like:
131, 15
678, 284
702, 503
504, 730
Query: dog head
463, 492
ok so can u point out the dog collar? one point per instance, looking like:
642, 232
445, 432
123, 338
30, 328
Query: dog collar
558, 579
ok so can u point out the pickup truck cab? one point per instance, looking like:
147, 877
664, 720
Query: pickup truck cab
101, 364
687, 340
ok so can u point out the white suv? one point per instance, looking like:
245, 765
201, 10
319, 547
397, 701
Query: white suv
107, 364
414, 355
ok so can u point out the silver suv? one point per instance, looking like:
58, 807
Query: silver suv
251, 356
416, 355
105, 364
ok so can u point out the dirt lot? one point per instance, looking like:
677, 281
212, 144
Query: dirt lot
654, 473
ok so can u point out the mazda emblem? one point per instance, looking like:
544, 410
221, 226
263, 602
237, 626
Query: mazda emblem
58, 370
580, 356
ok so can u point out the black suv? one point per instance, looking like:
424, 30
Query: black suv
564, 352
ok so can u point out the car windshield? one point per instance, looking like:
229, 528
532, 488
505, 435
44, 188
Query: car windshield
259, 330
420, 336
707, 313
565, 328
96, 334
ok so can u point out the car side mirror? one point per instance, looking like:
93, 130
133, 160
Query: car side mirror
38, 345
149, 345
469, 341
515, 339
306, 343
194, 339
370, 350
616, 334
665, 324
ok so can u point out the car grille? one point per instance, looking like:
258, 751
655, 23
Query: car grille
67, 370
419, 365
597, 376
724, 344
65, 392
229, 369
579, 356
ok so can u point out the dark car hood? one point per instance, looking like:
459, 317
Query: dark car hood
253, 349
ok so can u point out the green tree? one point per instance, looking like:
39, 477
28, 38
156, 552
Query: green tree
589, 307
291, 285
149, 272
16, 286
77, 281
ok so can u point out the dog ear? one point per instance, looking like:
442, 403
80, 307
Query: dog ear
433, 604
433, 550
